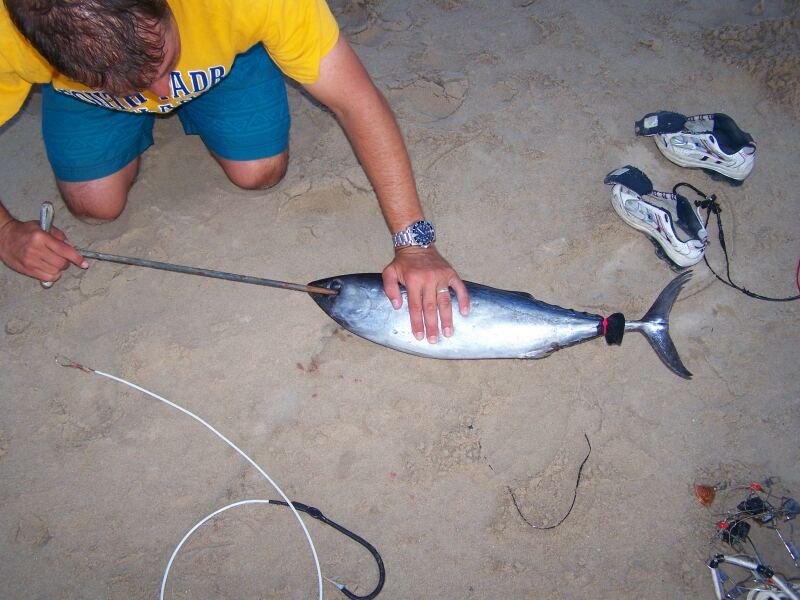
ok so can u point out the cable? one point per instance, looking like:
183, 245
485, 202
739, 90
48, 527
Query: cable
65, 362
574, 495
193, 529
710, 204
798, 275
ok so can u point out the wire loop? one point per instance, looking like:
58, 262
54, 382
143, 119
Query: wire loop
65, 362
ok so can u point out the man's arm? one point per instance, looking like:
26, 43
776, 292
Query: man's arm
345, 87
27, 249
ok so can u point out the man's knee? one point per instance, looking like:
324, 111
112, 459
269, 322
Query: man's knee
99, 200
90, 208
256, 174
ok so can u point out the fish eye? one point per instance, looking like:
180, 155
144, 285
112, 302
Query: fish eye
336, 285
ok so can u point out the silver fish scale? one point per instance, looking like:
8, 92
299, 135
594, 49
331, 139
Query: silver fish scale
501, 324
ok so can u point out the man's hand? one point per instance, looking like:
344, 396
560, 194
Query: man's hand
424, 273
27, 249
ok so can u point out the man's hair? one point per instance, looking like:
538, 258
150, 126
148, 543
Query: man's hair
112, 45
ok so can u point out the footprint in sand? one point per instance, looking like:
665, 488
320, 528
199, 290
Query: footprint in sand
429, 99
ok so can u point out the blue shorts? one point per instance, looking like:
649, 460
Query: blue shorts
244, 117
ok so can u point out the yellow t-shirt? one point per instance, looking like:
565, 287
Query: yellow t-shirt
296, 33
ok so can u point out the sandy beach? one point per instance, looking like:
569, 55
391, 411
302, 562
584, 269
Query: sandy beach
513, 112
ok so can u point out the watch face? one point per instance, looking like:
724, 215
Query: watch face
423, 233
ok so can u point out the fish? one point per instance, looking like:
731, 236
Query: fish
501, 323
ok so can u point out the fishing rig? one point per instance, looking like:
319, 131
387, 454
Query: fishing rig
294, 506
753, 518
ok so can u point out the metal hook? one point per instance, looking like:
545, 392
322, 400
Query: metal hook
317, 514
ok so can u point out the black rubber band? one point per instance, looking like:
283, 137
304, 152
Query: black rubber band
615, 329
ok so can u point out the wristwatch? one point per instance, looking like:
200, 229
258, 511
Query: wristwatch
420, 233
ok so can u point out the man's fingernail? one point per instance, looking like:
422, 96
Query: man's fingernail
433, 339
419, 335
465, 310
447, 331
396, 304
85, 265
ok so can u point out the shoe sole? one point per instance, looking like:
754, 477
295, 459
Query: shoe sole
719, 170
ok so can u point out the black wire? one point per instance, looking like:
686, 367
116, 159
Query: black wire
574, 495
710, 204
317, 514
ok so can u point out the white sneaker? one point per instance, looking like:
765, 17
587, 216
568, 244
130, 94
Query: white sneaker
656, 219
711, 142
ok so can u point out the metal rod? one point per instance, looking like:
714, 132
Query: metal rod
125, 260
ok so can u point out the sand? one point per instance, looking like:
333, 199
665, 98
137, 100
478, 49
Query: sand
513, 111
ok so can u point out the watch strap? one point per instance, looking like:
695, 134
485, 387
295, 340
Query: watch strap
409, 236
403, 238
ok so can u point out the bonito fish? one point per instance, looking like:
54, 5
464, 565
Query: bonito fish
501, 324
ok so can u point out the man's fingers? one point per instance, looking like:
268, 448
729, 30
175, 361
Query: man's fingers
391, 287
415, 311
65, 249
427, 277
430, 312
36, 256
58, 234
462, 295
45, 276
28, 250
445, 310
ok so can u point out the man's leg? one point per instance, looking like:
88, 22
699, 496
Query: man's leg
244, 121
94, 153
99, 200
255, 174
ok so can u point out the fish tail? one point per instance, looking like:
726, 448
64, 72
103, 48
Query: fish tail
655, 325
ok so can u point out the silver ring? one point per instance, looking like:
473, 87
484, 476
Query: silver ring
443, 290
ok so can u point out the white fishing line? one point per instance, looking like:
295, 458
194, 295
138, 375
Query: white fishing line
193, 529
232, 445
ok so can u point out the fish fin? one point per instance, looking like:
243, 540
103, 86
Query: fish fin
655, 325
540, 353
523, 295
477, 286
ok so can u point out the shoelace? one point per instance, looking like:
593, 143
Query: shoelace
710, 205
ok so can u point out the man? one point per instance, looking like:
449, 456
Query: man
108, 65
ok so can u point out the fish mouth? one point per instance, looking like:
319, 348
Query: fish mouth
325, 301
330, 283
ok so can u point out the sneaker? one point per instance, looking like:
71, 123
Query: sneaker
713, 143
656, 219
